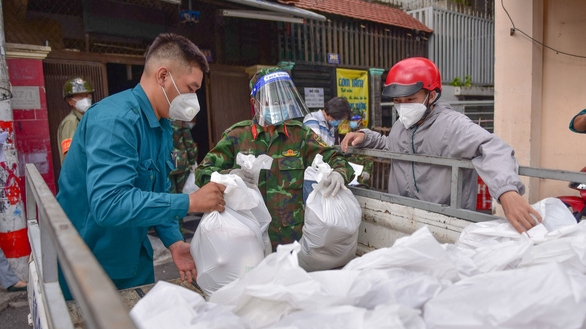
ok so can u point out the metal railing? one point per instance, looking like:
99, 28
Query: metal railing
458, 166
53, 237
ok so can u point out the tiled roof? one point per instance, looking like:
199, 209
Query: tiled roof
362, 10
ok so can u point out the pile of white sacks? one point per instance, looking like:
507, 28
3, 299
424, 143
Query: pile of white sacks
492, 277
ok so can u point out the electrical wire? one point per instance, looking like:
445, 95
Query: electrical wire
5, 94
514, 29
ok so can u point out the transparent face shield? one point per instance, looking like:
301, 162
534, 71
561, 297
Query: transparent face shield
276, 99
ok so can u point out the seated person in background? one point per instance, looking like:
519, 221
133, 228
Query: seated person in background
8, 279
325, 122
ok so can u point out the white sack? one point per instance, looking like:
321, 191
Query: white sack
254, 165
496, 245
168, 305
554, 213
348, 317
419, 251
566, 245
226, 245
545, 296
375, 287
190, 185
274, 288
330, 229
495, 257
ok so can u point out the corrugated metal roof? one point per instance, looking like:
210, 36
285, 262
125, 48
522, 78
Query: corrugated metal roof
362, 10
275, 7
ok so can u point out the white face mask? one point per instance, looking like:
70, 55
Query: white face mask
184, 107
83, 104
411, 113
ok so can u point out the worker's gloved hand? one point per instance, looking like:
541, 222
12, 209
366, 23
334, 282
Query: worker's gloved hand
332, 184
365, 176
245, 175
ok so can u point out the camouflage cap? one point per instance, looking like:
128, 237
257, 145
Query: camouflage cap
261, 73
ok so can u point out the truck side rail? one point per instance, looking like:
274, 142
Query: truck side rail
53, 237
458, 165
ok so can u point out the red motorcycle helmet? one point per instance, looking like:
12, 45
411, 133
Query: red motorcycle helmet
410, 75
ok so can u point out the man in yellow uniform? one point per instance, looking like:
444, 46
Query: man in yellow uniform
78, 93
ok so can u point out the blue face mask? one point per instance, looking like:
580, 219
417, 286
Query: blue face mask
334, 123
275, 114
353, 124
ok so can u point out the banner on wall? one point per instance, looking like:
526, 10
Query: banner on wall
353, 85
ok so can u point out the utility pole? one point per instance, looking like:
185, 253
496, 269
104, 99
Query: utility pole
13, 233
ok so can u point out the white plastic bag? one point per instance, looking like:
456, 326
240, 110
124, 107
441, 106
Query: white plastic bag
274, 288
565, 245
554, 213
555, 216
375, 287
491, 258
254, 165
544, 296
227, 245
387, 316
168, 305
419, 252
330, 229
190, 185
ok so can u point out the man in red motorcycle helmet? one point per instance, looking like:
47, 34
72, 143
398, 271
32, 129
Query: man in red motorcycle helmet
430, 127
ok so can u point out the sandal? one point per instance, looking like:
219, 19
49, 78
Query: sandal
14, 288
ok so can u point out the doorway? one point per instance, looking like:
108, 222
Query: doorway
123, 76
200, 132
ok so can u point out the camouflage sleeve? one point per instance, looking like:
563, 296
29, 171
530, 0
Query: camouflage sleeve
189, 146
315, 145
221, 158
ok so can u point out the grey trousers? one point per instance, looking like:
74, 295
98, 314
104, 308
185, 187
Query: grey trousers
7, 276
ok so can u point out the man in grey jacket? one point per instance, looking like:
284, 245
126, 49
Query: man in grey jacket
433, 128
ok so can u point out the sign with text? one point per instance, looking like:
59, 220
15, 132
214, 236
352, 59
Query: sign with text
26, 98
353, 85
314, 97
333, 58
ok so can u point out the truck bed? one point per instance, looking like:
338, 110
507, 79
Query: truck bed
129, 297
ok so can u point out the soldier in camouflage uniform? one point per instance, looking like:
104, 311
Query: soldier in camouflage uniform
184, 154
78, 93
292, 147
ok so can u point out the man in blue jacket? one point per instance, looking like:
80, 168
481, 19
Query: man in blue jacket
114, 182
